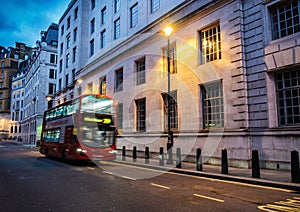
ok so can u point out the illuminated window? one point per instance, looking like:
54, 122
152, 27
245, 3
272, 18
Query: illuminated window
102, 89
285, 19
212, 104
140, 115
288, 97
210, 44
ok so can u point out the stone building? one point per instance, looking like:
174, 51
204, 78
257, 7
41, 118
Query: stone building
9, 58
234, 69
33, 85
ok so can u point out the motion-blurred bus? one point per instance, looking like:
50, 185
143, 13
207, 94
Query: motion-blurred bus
81, 129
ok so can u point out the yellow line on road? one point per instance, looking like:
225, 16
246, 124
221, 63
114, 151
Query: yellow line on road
210, 198
160, 186
203, 178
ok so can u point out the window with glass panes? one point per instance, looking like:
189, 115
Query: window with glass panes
173, 110
103, 39
134, 15
92, 25
103, 15
52, 74
102, 88
210, 44
74, 54
117, 5
285, 18
140, 71
155, 4
212, 104
140, 115
92, 47
119, 80
117, 29
288, 97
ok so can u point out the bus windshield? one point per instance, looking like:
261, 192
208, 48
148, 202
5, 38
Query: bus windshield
97, 125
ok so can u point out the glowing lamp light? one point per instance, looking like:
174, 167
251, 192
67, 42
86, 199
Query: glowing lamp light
168, 31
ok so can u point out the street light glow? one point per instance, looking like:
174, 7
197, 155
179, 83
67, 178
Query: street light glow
168, 31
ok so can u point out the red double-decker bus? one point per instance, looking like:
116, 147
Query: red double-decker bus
81, 129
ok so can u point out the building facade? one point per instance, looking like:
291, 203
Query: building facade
34, 88
9, 59
234, 69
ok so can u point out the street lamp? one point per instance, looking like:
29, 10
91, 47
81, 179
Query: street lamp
168, 31
50, 101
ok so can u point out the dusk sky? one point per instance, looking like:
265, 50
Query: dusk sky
22, 21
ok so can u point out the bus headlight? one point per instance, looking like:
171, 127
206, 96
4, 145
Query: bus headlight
81, 150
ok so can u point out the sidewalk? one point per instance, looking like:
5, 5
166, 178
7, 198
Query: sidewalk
272, 178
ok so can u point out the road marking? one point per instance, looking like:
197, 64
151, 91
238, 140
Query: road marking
287, 205
203, 178
129, 178
91, 168
160, 186
107, 172
210, 198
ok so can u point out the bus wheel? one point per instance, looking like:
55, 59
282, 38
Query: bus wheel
63, 155
46, 153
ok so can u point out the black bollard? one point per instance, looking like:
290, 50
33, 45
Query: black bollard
147, 155
161, 156
224, 168
199, 160
124, 153
255, 164
295, 167
134, 154
178, 158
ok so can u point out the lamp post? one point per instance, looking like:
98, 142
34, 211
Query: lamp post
168, 31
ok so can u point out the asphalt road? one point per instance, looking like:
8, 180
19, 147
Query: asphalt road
31, 182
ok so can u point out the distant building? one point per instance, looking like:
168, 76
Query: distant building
34, 87
234, 65
9, 58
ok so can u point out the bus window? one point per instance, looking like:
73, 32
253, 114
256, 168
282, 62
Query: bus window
51, 135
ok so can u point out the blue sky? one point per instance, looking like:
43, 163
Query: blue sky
23, 20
